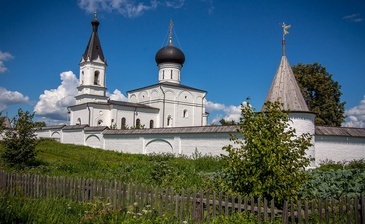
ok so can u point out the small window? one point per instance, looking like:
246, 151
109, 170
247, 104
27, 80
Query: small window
78, 122
96, 78
100, 122
163, 74
169, 120
171, 74
138, 123
151, 123
185, 113
123, 123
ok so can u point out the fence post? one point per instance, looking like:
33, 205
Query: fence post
285, 213
362, 213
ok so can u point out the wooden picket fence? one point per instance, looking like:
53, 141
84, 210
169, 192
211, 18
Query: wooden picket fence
185, 204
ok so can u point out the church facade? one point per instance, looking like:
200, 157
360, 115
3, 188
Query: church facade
165, 104
169, 117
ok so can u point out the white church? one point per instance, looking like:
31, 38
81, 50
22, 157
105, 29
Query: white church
165, 104
171, 117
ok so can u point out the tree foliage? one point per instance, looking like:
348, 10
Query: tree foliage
321, 93
270, 159
224, 122
20, 143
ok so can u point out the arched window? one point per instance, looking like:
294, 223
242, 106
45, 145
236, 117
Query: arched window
169, 120
78, 122
185, 113
138, 123
96, 78
151, 123
123, 123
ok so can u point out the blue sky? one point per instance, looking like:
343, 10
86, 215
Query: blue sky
232, 49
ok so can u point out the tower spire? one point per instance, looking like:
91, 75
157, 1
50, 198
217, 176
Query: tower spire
93, 49
171, 26
285, 32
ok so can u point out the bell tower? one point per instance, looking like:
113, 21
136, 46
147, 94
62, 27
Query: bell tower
92, 81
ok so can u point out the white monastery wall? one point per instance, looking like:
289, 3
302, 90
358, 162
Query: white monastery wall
205, 143
338, 148
75, 136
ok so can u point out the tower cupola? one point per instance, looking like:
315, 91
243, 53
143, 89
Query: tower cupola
170, 60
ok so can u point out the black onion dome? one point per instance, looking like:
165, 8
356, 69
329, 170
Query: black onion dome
170, 53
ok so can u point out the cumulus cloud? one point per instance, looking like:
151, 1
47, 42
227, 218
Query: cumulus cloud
4, 56
53, 103
10, 98
228, 113
356, 116
128, 8
117, 96
356, 17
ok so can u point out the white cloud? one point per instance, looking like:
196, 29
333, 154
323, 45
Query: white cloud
176, 4
53, 103
11, 97
117, 96
210, 106
353, 18
228, 113
128, 8
4, 56
356, 116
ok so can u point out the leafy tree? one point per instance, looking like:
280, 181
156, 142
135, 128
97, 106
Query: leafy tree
270, 159
40, 124
321, 93
226, 122
20, 143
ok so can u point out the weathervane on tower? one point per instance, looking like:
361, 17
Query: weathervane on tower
285, 32
285, 29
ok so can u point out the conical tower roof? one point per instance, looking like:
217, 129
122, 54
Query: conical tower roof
93, 49
284, 88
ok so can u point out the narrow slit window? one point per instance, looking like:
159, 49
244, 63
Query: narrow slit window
123, 123
185, 113
96, 78
138, 123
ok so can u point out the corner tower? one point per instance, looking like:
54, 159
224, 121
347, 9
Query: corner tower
170, 60
92, 82
284, 88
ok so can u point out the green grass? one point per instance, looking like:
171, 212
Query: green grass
17, 209
166, 170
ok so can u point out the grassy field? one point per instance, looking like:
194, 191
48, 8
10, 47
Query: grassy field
56, 159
